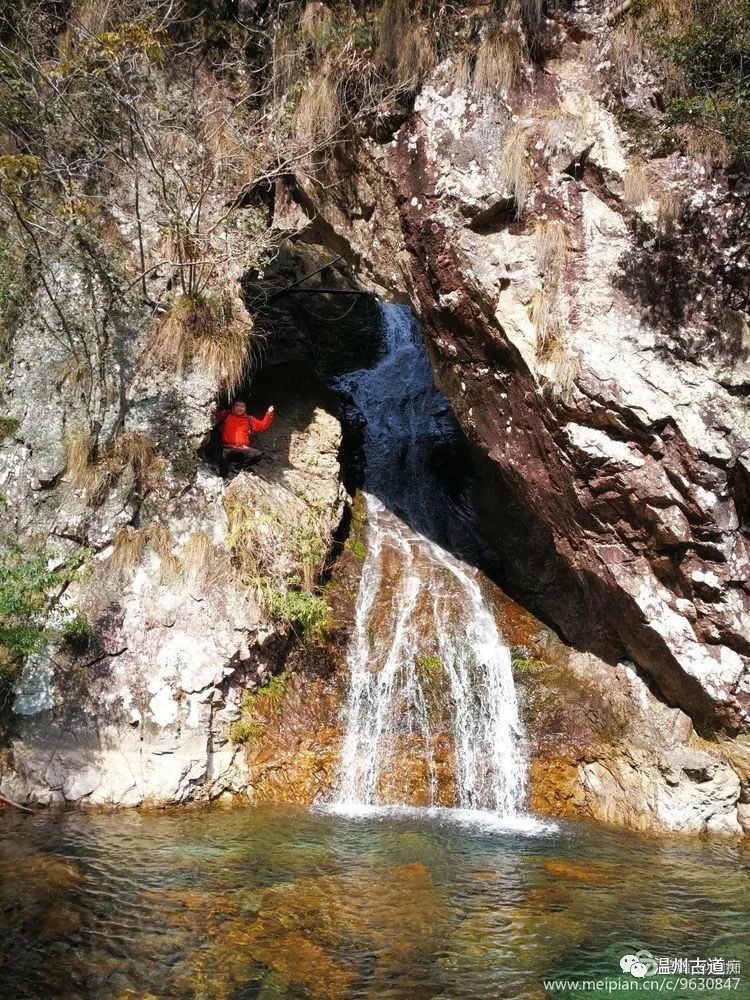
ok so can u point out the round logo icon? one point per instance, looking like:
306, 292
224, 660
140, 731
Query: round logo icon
640, 964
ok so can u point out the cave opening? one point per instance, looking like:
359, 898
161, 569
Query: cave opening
310, 344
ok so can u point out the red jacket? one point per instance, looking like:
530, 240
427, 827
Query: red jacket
236, 432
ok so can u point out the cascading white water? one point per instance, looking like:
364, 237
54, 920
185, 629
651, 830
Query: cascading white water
424, 633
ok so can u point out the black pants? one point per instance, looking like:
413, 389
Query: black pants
243, 456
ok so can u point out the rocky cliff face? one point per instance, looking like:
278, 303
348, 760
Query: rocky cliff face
142, 712
583, 316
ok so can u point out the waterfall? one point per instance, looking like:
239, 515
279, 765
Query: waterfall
432, 717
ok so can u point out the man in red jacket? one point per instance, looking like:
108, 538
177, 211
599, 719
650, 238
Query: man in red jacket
237, 427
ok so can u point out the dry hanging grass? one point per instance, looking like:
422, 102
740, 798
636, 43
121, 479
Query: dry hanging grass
92, 472
515, 168
566, 367
635, 183
224, 355
252, 548
394, 17
78, 463
551, 246
528, 12
274, 543
405, 48
671, 207
133, 448
162, 542
707, 149
316, 23
545, 315
417, 56
626, 52
500, 59
286, 60
196, 554
84, 471
172, 343
209, 331
562, 129
128, 547
462, 73
318, 114
310, 549
203, 564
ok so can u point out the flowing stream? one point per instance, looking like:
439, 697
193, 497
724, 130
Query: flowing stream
432, 717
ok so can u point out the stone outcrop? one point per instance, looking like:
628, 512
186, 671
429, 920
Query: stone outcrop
601, 744
592, 351
143, 716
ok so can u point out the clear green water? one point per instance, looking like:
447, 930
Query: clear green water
275, 902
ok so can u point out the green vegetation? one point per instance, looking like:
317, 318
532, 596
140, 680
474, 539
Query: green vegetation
430, 666
701, 49
711, 47
358, 548
529, 664
29, 617
307, 613
522, 660
258, 708
8, 427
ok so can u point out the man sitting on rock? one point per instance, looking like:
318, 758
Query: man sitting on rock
237, 427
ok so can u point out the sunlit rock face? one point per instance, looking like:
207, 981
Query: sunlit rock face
144, 716
577, 338
619, 451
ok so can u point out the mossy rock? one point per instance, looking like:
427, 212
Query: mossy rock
8, 427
